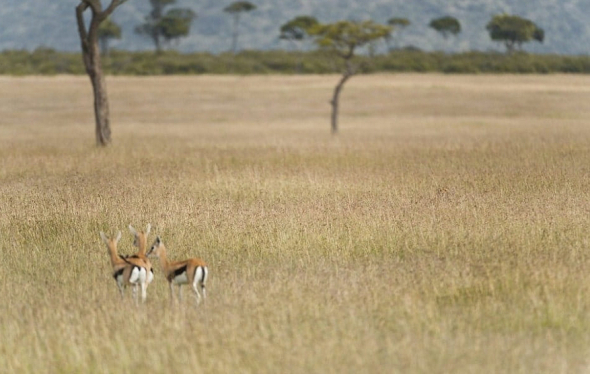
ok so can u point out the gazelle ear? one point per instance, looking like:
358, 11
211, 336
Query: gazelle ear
104, 238
158, 240
118, 237
147, 229
132, 230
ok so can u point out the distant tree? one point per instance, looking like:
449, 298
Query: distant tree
342, 39
176, 23
397, 27
92, 64
151, 27
236, 9
297, 32
106, 31
514, 31
446, 26
166, 26
297, 29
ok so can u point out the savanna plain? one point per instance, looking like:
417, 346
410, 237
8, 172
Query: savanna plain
444, 230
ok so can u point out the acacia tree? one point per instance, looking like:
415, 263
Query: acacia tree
106, 31
170, 25
236, 9
297, 32
342, 39
446, 26
297, 29
92, 63
514, 31
397, 26
176, 23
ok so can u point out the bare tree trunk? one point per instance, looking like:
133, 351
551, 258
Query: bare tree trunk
156, 17
157, 43
91, 58
234, 43
510, 47
349, 72
101, 107
299, 58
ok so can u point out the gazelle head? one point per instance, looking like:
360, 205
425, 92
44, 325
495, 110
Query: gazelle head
156, 248
111, 243
140, 236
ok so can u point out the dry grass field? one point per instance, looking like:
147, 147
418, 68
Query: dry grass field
446, 230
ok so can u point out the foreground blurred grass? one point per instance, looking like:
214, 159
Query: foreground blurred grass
445, 230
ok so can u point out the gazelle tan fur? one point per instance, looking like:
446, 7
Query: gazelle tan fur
140, 241
192, 271
127, 272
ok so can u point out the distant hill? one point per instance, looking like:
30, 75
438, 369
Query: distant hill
28, 24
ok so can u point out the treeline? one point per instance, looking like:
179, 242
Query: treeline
50, 62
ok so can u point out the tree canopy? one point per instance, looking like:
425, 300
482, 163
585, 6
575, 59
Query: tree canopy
298, 28
343, 37
514, 31
176, 23
239, 7
446, 26
173, 24
109, 29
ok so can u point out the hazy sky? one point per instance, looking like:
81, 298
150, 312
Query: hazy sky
31, 23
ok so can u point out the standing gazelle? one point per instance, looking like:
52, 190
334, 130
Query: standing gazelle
140, 241
126, 271
192, 271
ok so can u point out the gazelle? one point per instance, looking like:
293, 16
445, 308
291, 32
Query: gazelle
126, 271
140, 241
192, 271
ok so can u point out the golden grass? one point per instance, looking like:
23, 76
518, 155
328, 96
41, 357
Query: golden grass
444, 230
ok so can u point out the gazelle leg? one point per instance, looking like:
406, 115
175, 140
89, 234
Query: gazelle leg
196, 292
180, 293
135, 293
143, 292
203, 290
171, 293
121, 290
201, 279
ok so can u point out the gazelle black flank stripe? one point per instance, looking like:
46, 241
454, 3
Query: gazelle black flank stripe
179, 271
117, 273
